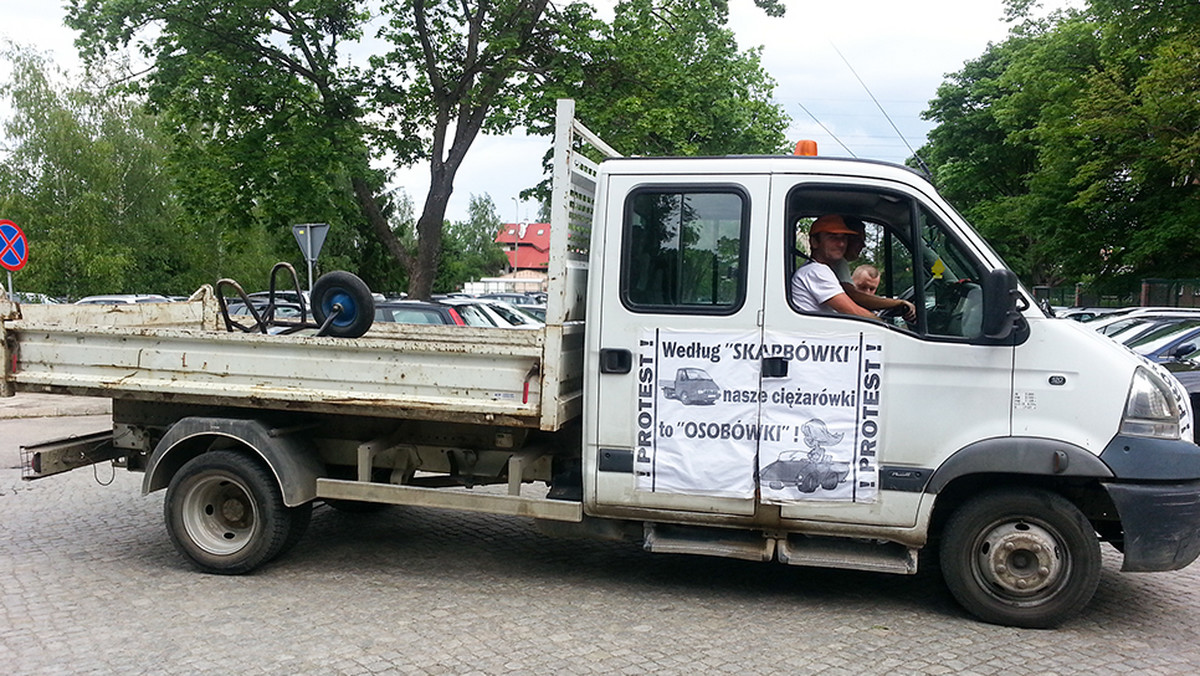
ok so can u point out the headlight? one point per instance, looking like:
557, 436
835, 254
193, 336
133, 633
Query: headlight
1150, 410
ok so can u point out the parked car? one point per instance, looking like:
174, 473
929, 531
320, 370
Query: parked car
512, 298
1085, 314
494, 313
282, 310
417, 312
538, 312
1117, 321
1168, 342
33, 298
512, 314
281, 296
123, 299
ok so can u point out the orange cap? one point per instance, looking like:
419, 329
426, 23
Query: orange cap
831, 223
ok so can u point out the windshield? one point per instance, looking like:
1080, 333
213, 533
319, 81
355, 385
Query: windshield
1162, 336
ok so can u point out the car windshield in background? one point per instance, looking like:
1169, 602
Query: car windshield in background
417, 312
475, 315
281, 296
513, 298
1146, 327
281, 311
512, 315
1170, 345
538, 312
1160, 335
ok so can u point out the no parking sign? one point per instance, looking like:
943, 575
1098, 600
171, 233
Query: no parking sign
14, 250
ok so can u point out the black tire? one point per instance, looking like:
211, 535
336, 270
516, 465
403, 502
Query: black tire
225, 513
344, 294
684, 398
807, 483
830, 481
358, 506
299, 517
1022, 558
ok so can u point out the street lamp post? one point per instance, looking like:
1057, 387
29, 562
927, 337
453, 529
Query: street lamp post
517, 232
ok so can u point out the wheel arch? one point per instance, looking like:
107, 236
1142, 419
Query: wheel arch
293, 462
1016, 462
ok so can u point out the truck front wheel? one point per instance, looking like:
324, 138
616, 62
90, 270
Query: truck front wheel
225, 513
1024, 558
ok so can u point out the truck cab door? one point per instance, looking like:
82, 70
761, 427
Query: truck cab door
671, 408
872, 408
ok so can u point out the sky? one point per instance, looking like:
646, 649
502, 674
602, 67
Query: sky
817, 54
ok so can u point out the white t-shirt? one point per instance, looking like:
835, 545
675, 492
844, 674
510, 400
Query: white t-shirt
813, 284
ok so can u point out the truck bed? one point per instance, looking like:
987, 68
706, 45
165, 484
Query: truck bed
179, 352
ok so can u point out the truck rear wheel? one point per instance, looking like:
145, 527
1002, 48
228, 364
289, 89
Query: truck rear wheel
225, 513
1024, 558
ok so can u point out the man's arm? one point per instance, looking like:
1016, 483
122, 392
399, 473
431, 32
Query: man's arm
873, 302
842, 303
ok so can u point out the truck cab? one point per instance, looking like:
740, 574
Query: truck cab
983, 413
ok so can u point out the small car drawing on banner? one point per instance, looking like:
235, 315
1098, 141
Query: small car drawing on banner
808, 469
691, 386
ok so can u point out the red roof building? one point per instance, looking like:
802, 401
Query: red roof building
527, 245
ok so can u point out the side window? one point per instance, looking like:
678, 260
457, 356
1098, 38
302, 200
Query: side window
684, 250
953, 287
921, 262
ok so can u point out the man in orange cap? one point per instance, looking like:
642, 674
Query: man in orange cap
815, 285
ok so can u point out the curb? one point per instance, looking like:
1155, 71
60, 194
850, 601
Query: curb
28, 405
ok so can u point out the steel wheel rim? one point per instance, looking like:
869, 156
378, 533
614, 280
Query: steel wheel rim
219, 515
1021, 561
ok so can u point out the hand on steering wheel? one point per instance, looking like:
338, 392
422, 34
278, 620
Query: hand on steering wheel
903, 309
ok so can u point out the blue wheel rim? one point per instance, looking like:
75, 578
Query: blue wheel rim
349, 307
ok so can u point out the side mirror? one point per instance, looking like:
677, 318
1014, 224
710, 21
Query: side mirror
1182, 351
1000, 304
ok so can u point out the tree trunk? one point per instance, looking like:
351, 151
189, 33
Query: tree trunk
379, 225
429, 234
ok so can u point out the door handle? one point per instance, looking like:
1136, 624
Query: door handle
774, 367
615, 360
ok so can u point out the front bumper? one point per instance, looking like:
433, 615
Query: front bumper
1156, 491
1161, 524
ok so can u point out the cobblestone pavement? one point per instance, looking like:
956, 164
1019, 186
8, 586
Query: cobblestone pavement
89, 583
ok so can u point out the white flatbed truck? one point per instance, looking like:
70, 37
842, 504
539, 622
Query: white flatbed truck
1012, 442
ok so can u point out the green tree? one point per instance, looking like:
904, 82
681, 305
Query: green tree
298, 125
85, 177
469, 250
1071, 145
668, 78
665, 78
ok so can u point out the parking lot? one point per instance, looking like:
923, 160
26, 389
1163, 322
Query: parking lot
89, 583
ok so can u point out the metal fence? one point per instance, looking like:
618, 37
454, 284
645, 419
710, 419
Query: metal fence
1153, 292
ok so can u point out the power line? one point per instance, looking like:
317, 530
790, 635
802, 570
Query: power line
827, 131
880, 107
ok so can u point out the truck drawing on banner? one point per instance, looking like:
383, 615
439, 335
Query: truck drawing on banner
691, 386
1018, 442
